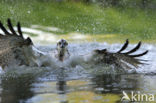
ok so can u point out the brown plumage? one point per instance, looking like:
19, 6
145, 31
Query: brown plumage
122, 59
12, 44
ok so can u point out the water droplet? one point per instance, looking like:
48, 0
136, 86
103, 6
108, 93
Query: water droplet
28, 12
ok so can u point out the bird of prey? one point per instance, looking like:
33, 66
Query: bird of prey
17, 50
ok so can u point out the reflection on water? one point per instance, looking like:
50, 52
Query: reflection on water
77, 85
113, 83
16, 89
95, 89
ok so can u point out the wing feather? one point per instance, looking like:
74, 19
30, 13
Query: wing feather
138, 55
3, 29
11, 44
134, 49
122, 60
11, 28
19, 29
124, 46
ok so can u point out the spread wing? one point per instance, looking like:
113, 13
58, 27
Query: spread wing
11, 44
120, 58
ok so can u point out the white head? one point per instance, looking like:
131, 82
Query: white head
62, 44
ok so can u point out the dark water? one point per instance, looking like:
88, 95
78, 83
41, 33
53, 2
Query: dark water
28, 88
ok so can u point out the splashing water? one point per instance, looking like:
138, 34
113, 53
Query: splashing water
80, 49
65, 83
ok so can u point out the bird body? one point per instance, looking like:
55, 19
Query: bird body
15, 49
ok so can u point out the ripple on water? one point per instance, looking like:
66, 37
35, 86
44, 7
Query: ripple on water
73, 84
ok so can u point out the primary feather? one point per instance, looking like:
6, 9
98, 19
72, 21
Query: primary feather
15, 49
121, 59
13, 45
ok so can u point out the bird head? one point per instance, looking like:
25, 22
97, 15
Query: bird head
62, 49
62, 44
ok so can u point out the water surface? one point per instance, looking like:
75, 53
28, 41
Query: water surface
76, 85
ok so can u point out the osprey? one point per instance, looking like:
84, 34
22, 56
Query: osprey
17, 50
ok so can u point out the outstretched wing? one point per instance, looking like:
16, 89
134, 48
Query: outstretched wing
11, 43
121, 59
